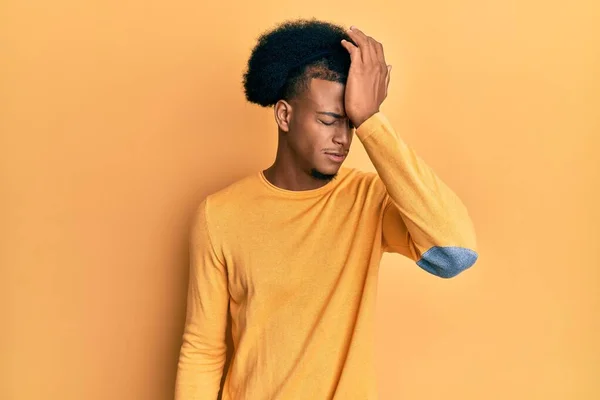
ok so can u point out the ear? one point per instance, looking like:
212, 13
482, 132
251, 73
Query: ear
283, 114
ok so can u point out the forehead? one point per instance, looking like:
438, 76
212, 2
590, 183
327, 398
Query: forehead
325, 95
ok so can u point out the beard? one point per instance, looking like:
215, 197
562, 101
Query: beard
321, 176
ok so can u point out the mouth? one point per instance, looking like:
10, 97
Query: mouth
336, 157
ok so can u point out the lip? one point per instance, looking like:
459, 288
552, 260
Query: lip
335, 158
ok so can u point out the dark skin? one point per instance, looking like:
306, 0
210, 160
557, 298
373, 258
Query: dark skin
321, 119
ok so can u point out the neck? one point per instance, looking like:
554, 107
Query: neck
287, 173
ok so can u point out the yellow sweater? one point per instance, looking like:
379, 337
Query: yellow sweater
298, 270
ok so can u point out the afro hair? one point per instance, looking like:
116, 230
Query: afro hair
285, 59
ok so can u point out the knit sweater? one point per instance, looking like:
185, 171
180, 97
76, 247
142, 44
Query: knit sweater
297, 271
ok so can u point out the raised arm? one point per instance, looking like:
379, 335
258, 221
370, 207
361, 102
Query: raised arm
423, 219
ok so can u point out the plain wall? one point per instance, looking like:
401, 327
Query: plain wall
117, 118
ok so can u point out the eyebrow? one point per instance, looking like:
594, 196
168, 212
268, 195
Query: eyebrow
331, 114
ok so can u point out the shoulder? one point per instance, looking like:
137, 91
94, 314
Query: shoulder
231, 197
368, 181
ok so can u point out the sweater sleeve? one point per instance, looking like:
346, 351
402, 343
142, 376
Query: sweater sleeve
423, 218
203, 350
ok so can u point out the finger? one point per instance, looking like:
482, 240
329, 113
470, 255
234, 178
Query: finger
387, 78
380, 54
373, 50
361, 41
352, 49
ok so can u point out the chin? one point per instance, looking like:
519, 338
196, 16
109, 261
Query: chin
325, 174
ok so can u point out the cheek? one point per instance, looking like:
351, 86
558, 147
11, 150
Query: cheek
310, 137
315, 141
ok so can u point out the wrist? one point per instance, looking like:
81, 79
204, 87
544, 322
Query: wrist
359, 121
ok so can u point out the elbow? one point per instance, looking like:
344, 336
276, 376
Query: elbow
447, 261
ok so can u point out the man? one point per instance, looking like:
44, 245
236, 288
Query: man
294, 250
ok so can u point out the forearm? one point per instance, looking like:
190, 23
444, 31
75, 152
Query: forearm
433, 214
200, 369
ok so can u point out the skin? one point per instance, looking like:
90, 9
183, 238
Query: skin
304, 137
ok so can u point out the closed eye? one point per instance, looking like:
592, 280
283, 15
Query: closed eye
350, 124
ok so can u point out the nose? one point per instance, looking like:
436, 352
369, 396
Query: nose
343, 136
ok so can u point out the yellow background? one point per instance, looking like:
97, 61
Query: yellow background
117, 118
